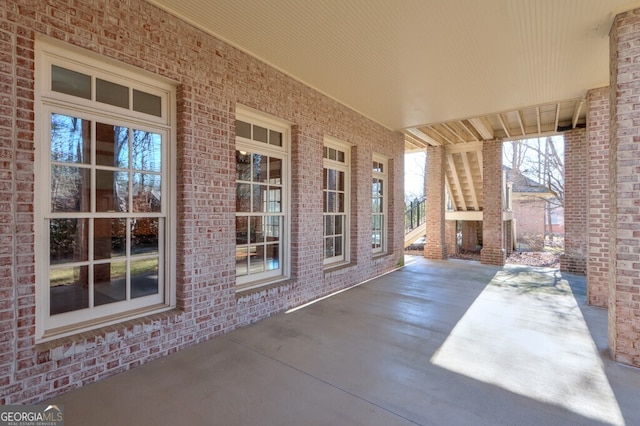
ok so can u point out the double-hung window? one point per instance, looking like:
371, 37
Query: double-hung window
103, 193
337, 182
379, 205
262, 199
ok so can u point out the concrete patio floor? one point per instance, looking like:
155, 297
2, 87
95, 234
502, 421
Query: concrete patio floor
433, 343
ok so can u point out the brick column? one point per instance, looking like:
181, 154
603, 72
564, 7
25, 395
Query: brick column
493, 252
624, 303
574, 258
451, 237
435, 246
598, 133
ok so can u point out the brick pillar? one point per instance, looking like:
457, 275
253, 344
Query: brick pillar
574, 258
598, 133
493, 252
435, 246
451, 237
624, 282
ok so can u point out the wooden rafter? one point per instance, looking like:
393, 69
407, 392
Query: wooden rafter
434, 130
576, 113
504, 125
538, 119
557, 120
483, 127
521, 122
448, 127
464, 126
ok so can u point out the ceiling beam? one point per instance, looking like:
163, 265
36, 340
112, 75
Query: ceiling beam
504, 125
422, 137
557, 121
521, 122
538, 118
473, 135
433, 129
448, 127
483, 127
576, 113
479, 154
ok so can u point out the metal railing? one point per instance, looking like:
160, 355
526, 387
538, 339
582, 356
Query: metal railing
414, 214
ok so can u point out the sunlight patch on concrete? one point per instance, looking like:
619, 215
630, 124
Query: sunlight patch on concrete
525, 333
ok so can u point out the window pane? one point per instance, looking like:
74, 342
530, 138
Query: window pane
147, 151
331, 180
147, 103
338, 228
259, 134
70, 82
243, 129
260, 168
273, 256
328, 247
340, 181
377, 205
146, 193
341, 206
331, 202
275, 171
112, 191
109, 238
145, 233
144, 277
112, 145
259, 198
112, 93
338, 246
274, 206
242, 265
329, 225
243, 165
377, 222
340, 156
242, 230
272, 228
69, 289
256, 259
70, 189
256, 230
243, 197
275, 138
109, 283
70, 139
68, 240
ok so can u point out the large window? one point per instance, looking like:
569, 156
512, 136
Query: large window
262, 200
103, 193
336, 171
379, 205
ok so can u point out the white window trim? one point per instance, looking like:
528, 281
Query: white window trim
48, 52
248, 282
345, 167
384, 176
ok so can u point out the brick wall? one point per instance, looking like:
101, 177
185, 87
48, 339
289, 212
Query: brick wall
528, 211
624, 290
576, 167
598, 196
435, 247
213, 77
493, 252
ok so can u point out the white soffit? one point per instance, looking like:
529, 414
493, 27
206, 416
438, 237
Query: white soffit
411, 63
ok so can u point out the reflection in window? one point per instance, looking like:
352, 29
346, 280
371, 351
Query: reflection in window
116, 170
260, 195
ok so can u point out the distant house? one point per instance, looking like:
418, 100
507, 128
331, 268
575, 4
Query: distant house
529, 203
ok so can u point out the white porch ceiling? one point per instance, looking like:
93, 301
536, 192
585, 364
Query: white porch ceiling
416, 63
